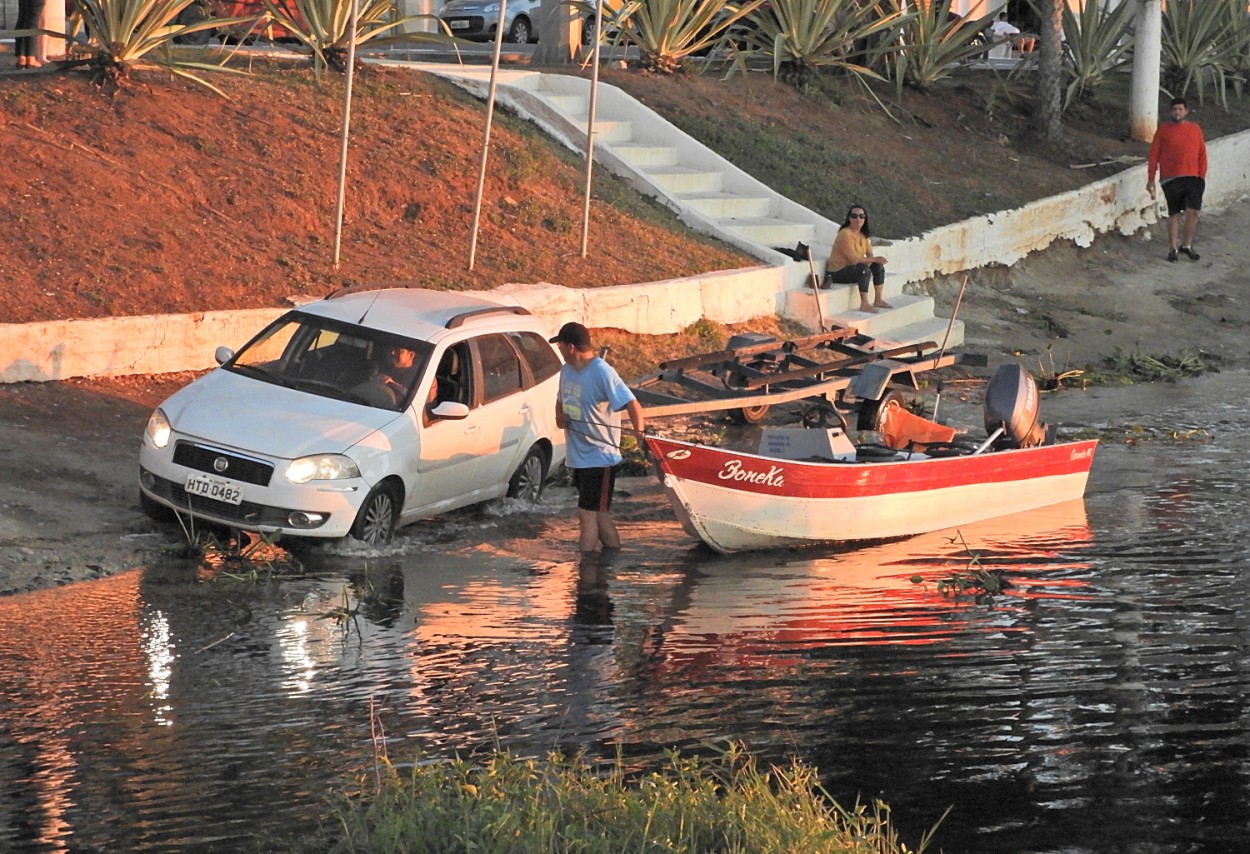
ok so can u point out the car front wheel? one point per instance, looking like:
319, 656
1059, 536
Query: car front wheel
527, 482
520, 32
375, 523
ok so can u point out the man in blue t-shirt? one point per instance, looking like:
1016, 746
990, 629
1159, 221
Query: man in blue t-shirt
588, 408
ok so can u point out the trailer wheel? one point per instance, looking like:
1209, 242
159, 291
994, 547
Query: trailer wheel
870, 411
824, 415
750, 414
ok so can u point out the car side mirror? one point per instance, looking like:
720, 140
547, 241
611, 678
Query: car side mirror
223, 354
450, 410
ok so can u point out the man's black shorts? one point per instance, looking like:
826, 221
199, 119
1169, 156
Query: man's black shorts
1183, 194
594, 488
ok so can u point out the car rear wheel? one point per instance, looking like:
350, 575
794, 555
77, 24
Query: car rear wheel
520, 31
375, 523
527, 482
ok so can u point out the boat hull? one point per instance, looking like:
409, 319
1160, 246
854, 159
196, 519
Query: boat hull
736, 501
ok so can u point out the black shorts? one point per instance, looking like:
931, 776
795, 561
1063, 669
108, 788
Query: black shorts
1183, 194
594, 488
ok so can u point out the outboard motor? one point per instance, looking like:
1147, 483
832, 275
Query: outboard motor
1011, 402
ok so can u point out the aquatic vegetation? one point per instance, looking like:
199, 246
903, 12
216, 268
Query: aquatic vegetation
1053, 378
971, 580
505, 803
249, 557
236, 555
1135, 434
1125, 367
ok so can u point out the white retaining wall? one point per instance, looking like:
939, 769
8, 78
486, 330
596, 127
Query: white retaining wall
1119, 203
159, 344
162, 344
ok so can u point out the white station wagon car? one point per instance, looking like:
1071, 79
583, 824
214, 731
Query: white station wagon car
360, 413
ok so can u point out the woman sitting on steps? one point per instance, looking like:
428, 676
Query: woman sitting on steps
852, 263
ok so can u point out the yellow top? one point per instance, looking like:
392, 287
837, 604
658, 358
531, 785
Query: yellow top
849, 247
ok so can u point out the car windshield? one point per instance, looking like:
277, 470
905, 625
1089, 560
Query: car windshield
334, 359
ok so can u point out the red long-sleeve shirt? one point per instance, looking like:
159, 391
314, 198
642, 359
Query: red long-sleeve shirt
1178, 150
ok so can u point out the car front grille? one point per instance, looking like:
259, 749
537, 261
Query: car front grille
249, 514
222, 463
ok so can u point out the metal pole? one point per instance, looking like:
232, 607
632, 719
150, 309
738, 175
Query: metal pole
820, 311
347, 120
590, 126
490, 115
958, 300
1144, 92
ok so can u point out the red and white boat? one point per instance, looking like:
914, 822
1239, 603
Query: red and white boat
815, 486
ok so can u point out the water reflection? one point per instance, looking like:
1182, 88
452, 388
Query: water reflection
744, 614
1100, 704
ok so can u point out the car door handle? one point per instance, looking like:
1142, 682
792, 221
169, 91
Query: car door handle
472, 428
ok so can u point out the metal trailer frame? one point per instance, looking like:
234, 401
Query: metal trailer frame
749, 380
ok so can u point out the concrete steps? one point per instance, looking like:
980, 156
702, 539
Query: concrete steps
910, 321
645, 156
727, 205
772, 231
711, 195
684, 181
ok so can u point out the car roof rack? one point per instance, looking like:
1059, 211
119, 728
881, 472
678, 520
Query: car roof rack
364, 288
465, 316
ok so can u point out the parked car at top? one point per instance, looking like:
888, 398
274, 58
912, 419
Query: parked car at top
478, 20
358, 414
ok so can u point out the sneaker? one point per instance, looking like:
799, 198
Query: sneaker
1189, 251
1172, 256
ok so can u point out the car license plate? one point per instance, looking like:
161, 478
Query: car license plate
215, 488
459, 25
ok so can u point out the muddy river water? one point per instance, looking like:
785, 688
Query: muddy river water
1100, 704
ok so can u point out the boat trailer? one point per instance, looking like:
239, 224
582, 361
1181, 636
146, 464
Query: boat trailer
762, 372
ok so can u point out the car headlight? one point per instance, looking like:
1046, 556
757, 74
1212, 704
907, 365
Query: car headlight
491, 9
321, 467
158, 429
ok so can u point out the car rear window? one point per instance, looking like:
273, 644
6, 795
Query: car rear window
543, 361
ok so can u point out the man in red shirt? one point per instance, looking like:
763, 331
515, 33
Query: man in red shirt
1179, 153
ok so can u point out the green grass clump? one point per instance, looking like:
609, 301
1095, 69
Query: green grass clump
562, 804
1124, 367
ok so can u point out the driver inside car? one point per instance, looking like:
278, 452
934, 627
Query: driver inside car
388, 387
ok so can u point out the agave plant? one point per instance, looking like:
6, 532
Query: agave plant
1204, 45
1096, 41
324, 26
668, 32
131, 35
1239, 33
932, 42
805, 36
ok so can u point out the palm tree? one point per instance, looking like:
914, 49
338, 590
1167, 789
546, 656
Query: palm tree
1048, 110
